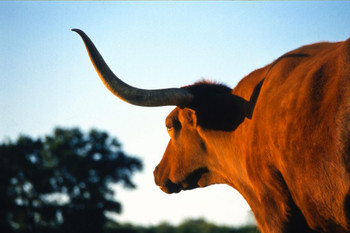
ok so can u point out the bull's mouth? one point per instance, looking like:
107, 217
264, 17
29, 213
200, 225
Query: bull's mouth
190, 182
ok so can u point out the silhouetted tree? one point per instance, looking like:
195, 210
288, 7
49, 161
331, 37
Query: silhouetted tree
61, 183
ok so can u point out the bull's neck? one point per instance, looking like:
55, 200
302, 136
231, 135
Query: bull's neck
228, 159
231, 149
229, 152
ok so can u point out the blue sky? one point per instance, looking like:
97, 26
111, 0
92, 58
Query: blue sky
46, 78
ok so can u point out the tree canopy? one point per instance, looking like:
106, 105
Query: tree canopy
61, 183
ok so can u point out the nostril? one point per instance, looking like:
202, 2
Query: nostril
172, 187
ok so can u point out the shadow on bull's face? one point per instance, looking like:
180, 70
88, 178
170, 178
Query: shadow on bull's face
184, 162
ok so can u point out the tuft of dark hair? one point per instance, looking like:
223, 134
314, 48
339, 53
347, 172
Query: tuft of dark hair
215, 106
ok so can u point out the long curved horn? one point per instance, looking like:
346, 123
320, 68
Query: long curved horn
132, 95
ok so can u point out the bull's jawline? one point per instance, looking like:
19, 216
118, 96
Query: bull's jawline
191, 182
193, 178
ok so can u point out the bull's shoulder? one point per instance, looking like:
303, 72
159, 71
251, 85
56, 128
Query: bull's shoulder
246, 86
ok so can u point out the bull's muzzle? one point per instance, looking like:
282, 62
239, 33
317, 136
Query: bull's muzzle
190, 182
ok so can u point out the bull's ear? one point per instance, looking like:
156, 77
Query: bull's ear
188, 116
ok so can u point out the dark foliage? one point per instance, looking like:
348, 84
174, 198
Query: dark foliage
61, 183
188, 226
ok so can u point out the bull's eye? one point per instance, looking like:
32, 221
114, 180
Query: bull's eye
173, 126
169, 127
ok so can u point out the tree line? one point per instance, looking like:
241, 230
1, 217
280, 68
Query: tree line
187, 226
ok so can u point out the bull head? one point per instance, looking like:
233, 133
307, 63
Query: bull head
189, 160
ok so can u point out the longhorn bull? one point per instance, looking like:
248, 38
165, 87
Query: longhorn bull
281, 137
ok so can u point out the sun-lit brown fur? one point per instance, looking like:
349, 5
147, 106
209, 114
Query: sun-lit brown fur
281, 138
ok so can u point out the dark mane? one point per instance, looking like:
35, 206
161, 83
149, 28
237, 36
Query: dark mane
216, 107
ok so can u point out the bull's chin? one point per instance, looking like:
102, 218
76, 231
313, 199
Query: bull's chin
192, 181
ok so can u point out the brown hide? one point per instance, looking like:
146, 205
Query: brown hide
281, 138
